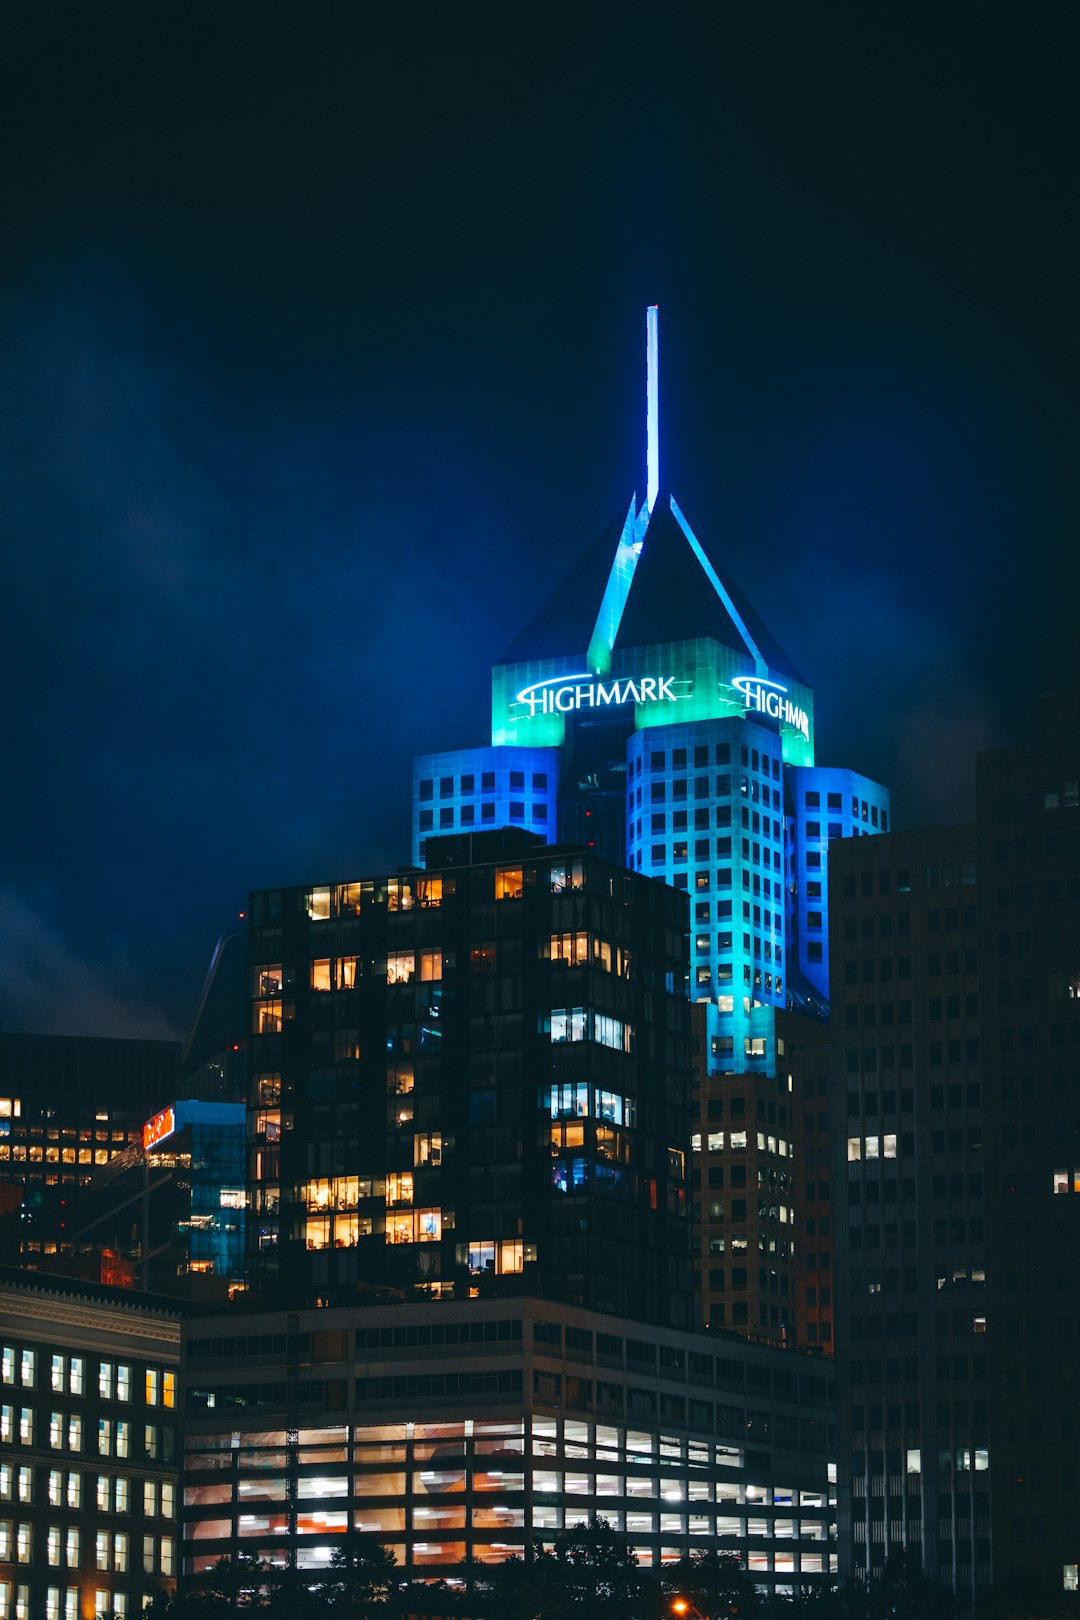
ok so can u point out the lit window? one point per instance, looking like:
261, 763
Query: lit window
568, 1024
267, 1018
427, 1148
268, 980
168, 1389
509, 881
431, 966
573, 949
399, 1187
1061, 1181
268, 1124
400, 967
152, 1386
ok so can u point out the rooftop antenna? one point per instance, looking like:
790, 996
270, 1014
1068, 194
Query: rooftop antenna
653, 406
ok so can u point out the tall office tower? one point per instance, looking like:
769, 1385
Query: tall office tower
1028, 816
647, 712
956, 1123
474, 1079
67, 1104
909, 1228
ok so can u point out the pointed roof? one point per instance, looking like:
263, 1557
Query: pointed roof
563, 626
672, 597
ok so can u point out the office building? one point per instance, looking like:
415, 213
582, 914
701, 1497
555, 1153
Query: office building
956, 1079
171, 1208
89, 1483
458, 1434
68, 1104
648, 712
473, 1078
1028, 854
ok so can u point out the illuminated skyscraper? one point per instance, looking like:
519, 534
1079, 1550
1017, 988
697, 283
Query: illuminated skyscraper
646, 711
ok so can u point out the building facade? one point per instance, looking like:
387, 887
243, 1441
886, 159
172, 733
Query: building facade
956, 1105
474, 1078
68, 1104
172, 1207
462, 1434
89, 1478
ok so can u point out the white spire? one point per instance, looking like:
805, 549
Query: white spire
653, 406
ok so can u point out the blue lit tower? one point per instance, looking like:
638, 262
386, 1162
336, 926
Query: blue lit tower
647, 711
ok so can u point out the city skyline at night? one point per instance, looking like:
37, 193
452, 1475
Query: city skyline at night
269, 454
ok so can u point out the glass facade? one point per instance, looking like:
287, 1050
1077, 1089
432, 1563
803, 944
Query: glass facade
474, 1078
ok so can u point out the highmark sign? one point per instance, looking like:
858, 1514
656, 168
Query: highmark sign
768, 697
561, 694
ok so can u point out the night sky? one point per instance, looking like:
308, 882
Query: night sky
322, 335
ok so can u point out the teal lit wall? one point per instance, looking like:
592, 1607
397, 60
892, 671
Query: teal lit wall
700, 673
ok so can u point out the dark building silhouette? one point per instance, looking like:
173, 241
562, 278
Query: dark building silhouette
956, 1120
474, 1079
